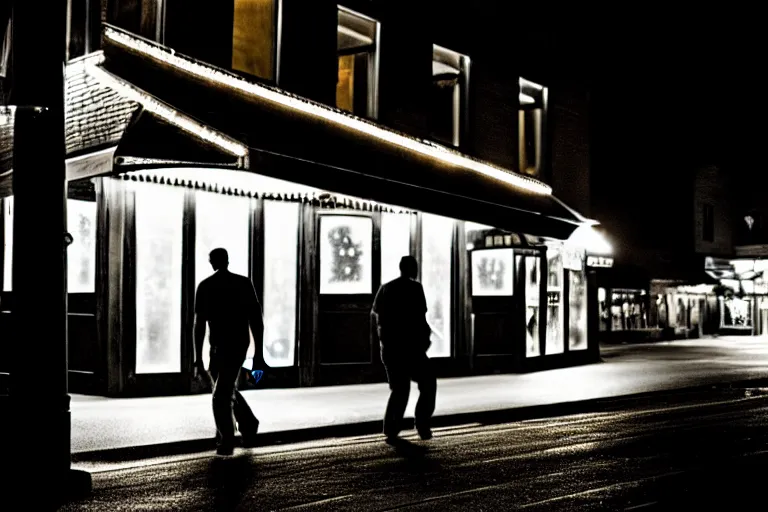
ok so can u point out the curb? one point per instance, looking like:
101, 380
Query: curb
495, 417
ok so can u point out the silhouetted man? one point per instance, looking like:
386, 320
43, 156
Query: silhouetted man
228, 303
400, 308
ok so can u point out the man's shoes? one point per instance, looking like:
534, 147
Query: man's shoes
391, 439
425, 433
225, 449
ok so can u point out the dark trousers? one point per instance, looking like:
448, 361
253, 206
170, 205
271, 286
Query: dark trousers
227, 400
402, 368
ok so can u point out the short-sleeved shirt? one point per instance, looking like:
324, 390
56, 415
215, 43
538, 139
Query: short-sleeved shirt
227, 302
400, 307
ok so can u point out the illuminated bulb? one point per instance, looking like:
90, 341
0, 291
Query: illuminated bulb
315, 109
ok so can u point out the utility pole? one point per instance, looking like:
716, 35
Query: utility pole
41, 471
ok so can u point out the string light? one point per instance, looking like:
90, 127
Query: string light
430, 149
167, 113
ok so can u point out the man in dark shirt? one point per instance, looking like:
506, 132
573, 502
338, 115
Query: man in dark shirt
228, 303
400, 308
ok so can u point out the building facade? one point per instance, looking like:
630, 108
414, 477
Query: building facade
319, 143
692, 264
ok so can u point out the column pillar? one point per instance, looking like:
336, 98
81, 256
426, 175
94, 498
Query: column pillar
40, 430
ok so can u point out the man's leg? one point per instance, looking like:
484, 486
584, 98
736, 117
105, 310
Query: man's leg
424, 375
225, 380
400, 388
247, 423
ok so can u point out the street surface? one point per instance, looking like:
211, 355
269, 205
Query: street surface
677, 451
102, 423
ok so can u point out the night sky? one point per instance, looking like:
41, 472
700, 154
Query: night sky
666, 99
676, 95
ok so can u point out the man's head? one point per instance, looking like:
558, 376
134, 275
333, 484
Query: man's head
409, 267
219, 259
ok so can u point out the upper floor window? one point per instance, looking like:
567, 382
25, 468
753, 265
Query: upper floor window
357, 48
84, 25
531, 118
708, 223
450, 80
143, 17
254, 37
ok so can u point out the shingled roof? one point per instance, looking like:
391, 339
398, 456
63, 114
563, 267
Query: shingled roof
6, 143
96, 115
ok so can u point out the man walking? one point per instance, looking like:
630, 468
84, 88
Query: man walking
227, 302
400, 308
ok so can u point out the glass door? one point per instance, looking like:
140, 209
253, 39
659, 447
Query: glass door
349, 275
158, 269
492, 276
532, 280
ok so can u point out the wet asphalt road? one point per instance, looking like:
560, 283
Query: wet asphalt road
676, 452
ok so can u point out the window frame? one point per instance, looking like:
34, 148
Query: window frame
460, 64
373, 51
540, 129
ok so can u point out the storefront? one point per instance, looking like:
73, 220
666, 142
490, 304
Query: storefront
528, 302
314, 230
683, 310
729, 300
624, 306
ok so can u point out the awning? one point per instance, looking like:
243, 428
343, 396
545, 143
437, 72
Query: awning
138, 105
105, 123
294, 139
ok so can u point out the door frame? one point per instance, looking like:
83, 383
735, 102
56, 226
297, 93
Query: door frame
334, 373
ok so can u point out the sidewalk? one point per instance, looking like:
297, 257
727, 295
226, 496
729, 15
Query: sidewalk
185, 424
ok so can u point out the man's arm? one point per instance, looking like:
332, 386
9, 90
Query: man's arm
199, 335
201, 318
376, 310
256, 323
427, 328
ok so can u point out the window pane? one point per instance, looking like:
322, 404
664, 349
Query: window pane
555, 318
357, 47
577, 310
532, 295
281, 228
81, 255
159, 236
346, 244
603, 309
345, 85
437, 242
8, 244
530, 134
253, 37
395, 243
492, 273
220, 221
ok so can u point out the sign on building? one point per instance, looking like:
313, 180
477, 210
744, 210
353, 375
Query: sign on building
599, 261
